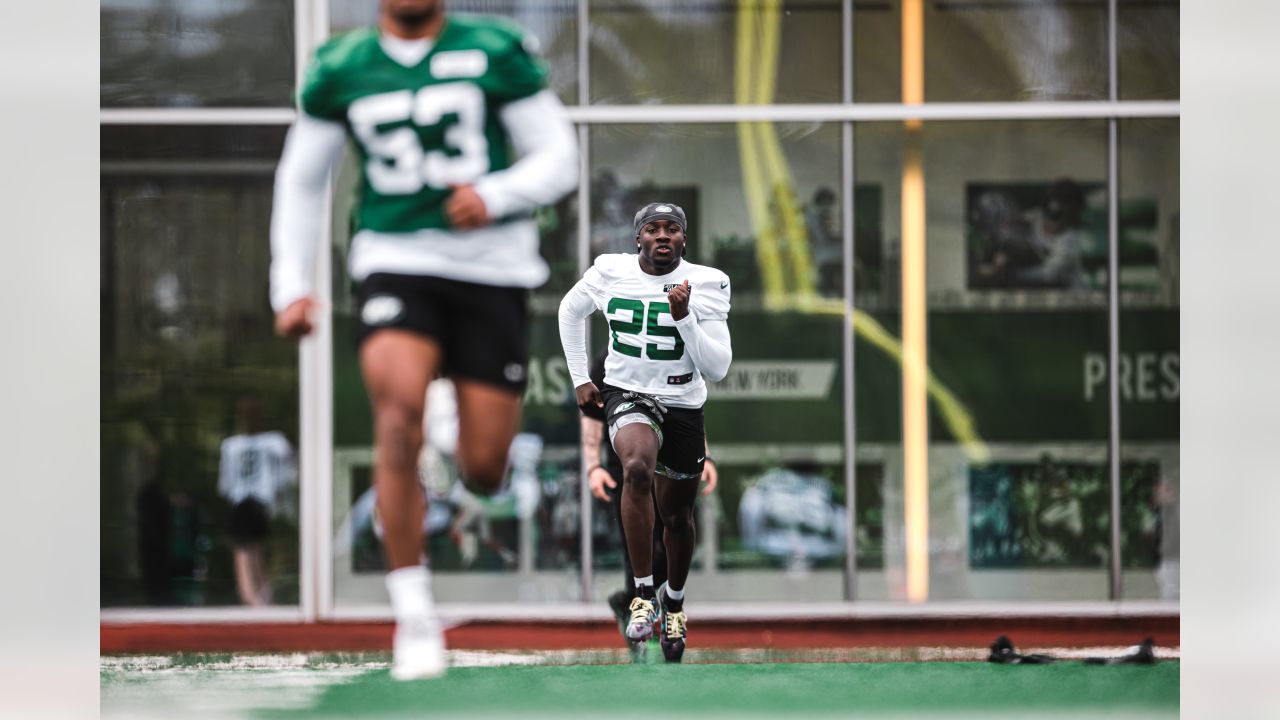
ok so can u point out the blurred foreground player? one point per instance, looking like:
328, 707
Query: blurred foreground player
459, 141
652, 396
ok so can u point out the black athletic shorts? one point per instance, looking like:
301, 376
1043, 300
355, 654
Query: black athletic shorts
249, 523
483, 330
681, 433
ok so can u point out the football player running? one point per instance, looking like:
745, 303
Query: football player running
459, 141
668, 327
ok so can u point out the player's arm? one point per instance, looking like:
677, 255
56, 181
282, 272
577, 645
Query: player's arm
705, 330
311, 149
706, 340
710, 473
543, 140
708, 344
598, 478
575, 308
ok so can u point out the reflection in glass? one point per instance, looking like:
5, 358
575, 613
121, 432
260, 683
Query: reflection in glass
194, 53
1147, 44
646, 52
983, 51
554, 23
198, 397
1016, 451
763, 204
1150, 377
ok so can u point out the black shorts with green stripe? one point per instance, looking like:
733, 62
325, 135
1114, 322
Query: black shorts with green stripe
681, 431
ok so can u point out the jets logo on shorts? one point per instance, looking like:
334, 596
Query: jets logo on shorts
513, 372
624, 407
381, 309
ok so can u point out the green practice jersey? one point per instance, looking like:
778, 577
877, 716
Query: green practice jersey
421, 129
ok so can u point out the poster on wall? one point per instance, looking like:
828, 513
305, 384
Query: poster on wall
1052, 234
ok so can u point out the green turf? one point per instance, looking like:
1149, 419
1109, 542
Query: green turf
755, 689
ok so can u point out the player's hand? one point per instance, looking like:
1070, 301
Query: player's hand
588, 394
678, 298
295, 321
710, 476
465, 209
598, 479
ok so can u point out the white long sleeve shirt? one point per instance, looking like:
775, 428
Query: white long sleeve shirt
649, 351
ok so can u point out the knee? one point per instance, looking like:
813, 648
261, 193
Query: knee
637, 474
679, 520
482, 471
398, 428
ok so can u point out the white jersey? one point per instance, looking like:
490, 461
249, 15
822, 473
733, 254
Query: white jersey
258, 466
646, 351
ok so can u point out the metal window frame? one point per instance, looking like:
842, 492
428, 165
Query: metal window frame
311, 25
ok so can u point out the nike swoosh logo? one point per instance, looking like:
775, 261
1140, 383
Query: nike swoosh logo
724, 285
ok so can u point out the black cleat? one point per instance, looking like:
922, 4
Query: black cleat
674, 628
619, 603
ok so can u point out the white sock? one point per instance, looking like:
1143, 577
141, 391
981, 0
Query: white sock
646, 580
675, 594
410, 589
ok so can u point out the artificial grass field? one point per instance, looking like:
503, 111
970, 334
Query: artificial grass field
356, 686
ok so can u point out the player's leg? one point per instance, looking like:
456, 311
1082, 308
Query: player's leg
676, 491
620, 601
488, 418
249, 528
489, 351
397, 366
636, 442
659, 545
676, 499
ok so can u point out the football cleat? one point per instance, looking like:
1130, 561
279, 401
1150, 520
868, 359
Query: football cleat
643, 616
674, 628
418, 650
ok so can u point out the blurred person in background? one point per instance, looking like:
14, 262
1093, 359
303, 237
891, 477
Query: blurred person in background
653, 395
1050, 252
459, 141
605, 476
257, 474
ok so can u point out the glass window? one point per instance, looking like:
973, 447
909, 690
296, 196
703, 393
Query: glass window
553, 22
647, 52
978, 51
1147, 45
193, 53
1005, 223
199, 400
1150, 386
763, 203
496, 549
877, 51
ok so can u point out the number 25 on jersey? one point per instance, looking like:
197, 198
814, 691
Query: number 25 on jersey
643, 322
